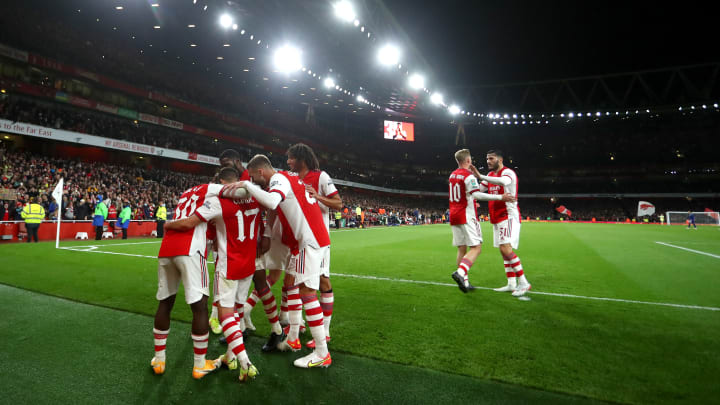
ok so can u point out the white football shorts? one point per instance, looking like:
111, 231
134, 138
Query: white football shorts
325, 265
468, 234
277, 257
306, 266
227, 292
507, 231
193, 272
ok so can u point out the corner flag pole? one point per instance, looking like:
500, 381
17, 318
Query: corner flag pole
57, 195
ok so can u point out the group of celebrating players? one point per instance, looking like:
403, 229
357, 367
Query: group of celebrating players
294, 237
261, 219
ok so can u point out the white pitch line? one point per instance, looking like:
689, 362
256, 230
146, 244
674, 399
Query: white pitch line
400, 280
689, 250
114, 244
665, 304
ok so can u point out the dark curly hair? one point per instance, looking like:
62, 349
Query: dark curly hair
304, 153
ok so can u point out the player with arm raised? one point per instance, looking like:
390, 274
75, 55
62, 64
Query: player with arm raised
464, 190
307, 237
505, 218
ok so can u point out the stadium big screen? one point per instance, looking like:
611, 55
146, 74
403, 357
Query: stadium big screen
399, 131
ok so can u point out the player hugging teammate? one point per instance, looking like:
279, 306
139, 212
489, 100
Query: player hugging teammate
295, 210
500, 189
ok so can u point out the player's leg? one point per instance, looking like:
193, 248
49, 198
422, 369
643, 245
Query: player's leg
511, 243
327, 297
510, 266
214, 320
327, 301
461, 251
294, 309
464, 236
168, 282
231, 291
308, 275
194, 273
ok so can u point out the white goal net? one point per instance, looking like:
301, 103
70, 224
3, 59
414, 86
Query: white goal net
701, 218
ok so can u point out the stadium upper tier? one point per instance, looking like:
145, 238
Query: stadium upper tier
124, 95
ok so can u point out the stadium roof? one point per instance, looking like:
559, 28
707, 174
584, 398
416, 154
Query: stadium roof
452, 44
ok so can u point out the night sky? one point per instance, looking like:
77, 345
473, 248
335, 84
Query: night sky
493, 42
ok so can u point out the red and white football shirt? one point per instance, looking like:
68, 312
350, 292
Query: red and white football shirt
324, 185
462, 185
194, 240
237, 225
299, 214
500, 210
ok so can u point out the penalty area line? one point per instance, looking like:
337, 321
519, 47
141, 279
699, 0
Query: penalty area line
689, 250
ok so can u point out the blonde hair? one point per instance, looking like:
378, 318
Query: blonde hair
259, 161
462, 155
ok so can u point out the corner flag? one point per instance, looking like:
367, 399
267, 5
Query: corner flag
57, 195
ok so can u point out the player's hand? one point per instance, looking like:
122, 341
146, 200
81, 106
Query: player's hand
509, 198
475, 171
231, 189
313, 193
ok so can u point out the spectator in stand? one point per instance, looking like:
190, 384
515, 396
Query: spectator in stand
52, 210
83, 210
5, 212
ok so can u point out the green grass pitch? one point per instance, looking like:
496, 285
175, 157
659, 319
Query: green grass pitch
613, 316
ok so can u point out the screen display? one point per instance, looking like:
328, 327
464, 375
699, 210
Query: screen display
399, 131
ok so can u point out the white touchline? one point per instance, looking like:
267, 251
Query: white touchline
400, 280
689, 250
665, 304
111, 244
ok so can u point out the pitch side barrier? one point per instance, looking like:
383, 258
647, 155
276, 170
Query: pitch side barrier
10, 231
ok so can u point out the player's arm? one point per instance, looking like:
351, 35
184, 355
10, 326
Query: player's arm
334, 201
499, 181
269, 200
477, 195
184, 224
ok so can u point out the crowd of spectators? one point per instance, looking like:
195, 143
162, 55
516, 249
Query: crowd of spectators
36, 176
29, 175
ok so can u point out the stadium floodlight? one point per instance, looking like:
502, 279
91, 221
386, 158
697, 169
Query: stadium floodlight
454, 109
436, 98
715, 105
571, 115
344, 10
416, 81
226, 21
389, 55
287, 59
329, 82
